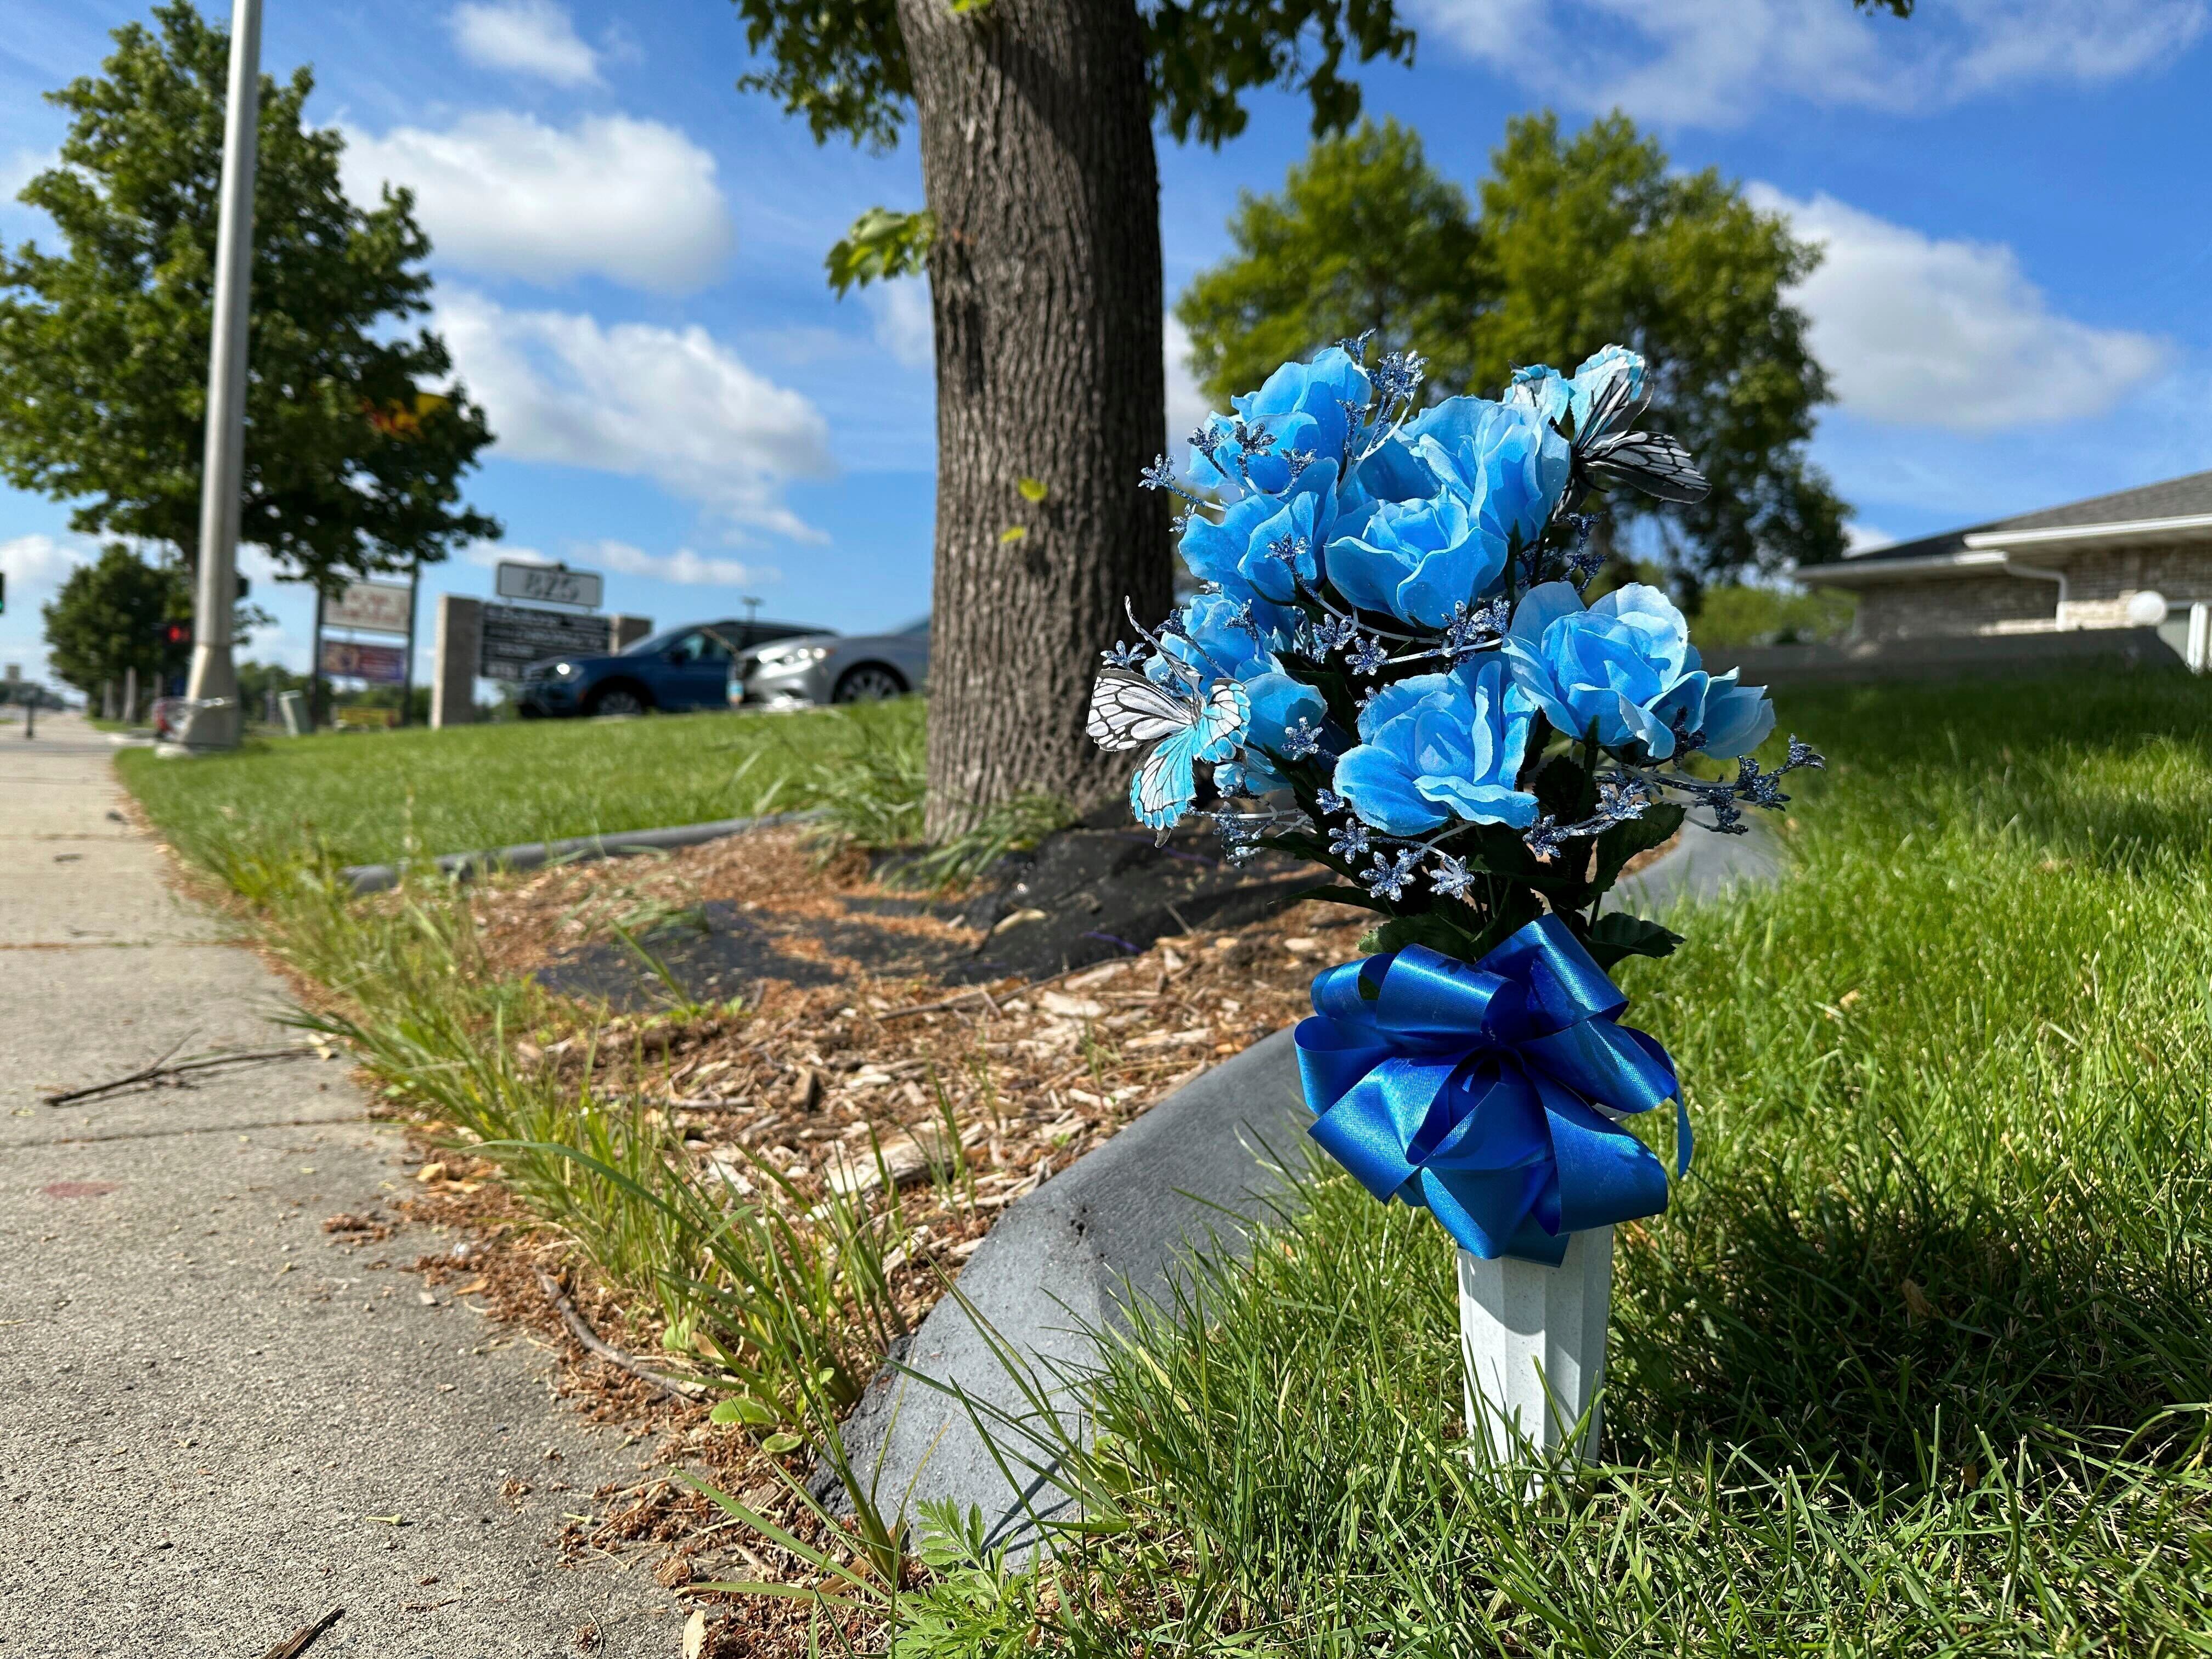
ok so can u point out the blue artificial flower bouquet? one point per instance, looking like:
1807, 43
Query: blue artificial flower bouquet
1388, 669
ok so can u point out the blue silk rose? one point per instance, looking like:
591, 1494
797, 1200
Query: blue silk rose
1266, 545
1625, 667
1302, 408
1438, 747
1510, 466
1714, 715
1497, 472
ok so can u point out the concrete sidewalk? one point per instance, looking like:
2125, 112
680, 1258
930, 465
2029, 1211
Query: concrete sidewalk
207, 1403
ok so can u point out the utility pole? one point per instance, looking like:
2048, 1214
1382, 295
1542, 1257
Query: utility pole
213, 717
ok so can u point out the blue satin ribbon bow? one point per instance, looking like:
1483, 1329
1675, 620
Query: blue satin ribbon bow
1487, 1090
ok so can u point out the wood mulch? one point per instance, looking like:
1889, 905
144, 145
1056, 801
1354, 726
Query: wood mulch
848, 1079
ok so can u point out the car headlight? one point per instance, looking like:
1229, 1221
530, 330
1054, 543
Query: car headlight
564, 669
792, 656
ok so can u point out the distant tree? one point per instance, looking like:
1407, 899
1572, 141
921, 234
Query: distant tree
352, 462
1365, 235
1579, 241
107, 618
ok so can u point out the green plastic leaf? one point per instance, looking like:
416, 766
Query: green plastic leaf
1565, 790
1624, 841
881, 244
1429, 928
1617, 934
1033, 490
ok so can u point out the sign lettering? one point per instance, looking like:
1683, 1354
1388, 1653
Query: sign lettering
516, 635
545, 584
380, 665
373, 607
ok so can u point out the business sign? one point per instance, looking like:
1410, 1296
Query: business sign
550, 584
380, 665
516, 635
373, 607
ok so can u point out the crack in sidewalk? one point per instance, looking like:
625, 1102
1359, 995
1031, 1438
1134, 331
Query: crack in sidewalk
197, 1129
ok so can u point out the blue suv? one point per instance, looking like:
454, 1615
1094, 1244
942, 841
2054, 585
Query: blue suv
685, 668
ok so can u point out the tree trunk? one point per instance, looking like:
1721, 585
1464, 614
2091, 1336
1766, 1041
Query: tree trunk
1037, 160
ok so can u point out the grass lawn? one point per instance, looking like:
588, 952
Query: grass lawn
370, 797
1919, 1361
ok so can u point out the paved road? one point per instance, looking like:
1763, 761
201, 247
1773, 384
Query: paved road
205, 1401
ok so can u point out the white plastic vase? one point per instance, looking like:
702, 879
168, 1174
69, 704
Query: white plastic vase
1533, 1342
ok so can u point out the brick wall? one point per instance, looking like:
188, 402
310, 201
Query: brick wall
1949, 606
2099, 583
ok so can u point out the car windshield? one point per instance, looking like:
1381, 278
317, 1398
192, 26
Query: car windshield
919, 625
654, 643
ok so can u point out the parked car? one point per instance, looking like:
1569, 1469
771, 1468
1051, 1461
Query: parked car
683, 668
820, 668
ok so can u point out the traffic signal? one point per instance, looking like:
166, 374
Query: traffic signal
175, 635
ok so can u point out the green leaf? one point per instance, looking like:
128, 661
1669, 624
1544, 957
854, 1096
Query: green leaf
1013, 533
1566, 790
1429, 928
1624, 841
1033, 490
1617, 934
881, 244
1364, 900
776, 1444
742, 1408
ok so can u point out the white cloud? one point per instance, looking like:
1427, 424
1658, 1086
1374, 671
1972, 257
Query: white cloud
671, 406
530, 37
1921, 332
1865, 538
634, 201
1711, 63
22, 166
682, 566
38, 562
903, 325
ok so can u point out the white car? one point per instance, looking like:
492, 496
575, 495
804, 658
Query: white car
819, 668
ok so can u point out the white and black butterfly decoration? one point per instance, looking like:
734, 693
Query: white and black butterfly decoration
1128, 710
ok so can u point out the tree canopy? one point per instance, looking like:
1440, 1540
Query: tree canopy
1579, 241
845, 69
352, 453
107, 617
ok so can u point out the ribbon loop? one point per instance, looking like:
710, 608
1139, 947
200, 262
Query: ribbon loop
1488, 1091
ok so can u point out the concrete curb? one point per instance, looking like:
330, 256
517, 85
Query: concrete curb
528, 855
1065, 1260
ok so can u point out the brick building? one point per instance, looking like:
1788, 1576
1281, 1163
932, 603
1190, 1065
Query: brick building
2118, 560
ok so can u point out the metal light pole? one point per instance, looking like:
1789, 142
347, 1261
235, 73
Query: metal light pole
212, 721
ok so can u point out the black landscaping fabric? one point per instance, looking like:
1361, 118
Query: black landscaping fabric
1099, 893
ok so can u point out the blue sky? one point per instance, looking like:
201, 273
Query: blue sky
628, 257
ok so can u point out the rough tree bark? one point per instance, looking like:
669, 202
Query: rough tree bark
1037, 160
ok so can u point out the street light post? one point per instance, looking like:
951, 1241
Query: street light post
212, 719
